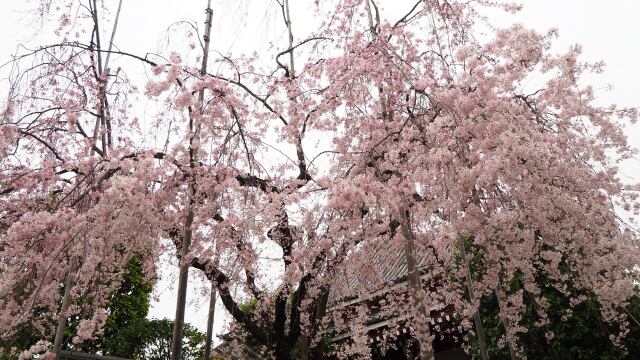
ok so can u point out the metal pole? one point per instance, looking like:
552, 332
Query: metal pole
66, 299
212, 313
178, 325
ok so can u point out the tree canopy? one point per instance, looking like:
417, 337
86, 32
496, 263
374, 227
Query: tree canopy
274, 174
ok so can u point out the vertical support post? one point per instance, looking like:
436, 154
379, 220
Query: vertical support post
212, 312
482, 342
425, 340
424, 333
211, 316
62, 320
292, 69
502, 303
194, 127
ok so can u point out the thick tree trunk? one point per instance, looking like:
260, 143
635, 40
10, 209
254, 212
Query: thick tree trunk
283, 350
308, 350
194, 128
283, 344
304, 347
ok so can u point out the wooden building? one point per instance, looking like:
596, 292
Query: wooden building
388, 329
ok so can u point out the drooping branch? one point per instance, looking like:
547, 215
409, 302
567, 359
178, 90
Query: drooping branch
222, 282
290, 50
46, 144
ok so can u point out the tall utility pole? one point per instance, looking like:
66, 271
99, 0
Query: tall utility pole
103, 111
212, 313
477, 319
194, 129
62, 320
413, 273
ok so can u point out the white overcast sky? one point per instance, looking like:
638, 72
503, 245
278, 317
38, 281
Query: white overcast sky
608, 30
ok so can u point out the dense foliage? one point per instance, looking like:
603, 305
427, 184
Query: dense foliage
128, 309
127, 332
276, 179
151, 340
575, 332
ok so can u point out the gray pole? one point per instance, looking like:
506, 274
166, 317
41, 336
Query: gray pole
413, 274
62, 320
482, 342
178, 325
212, 313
